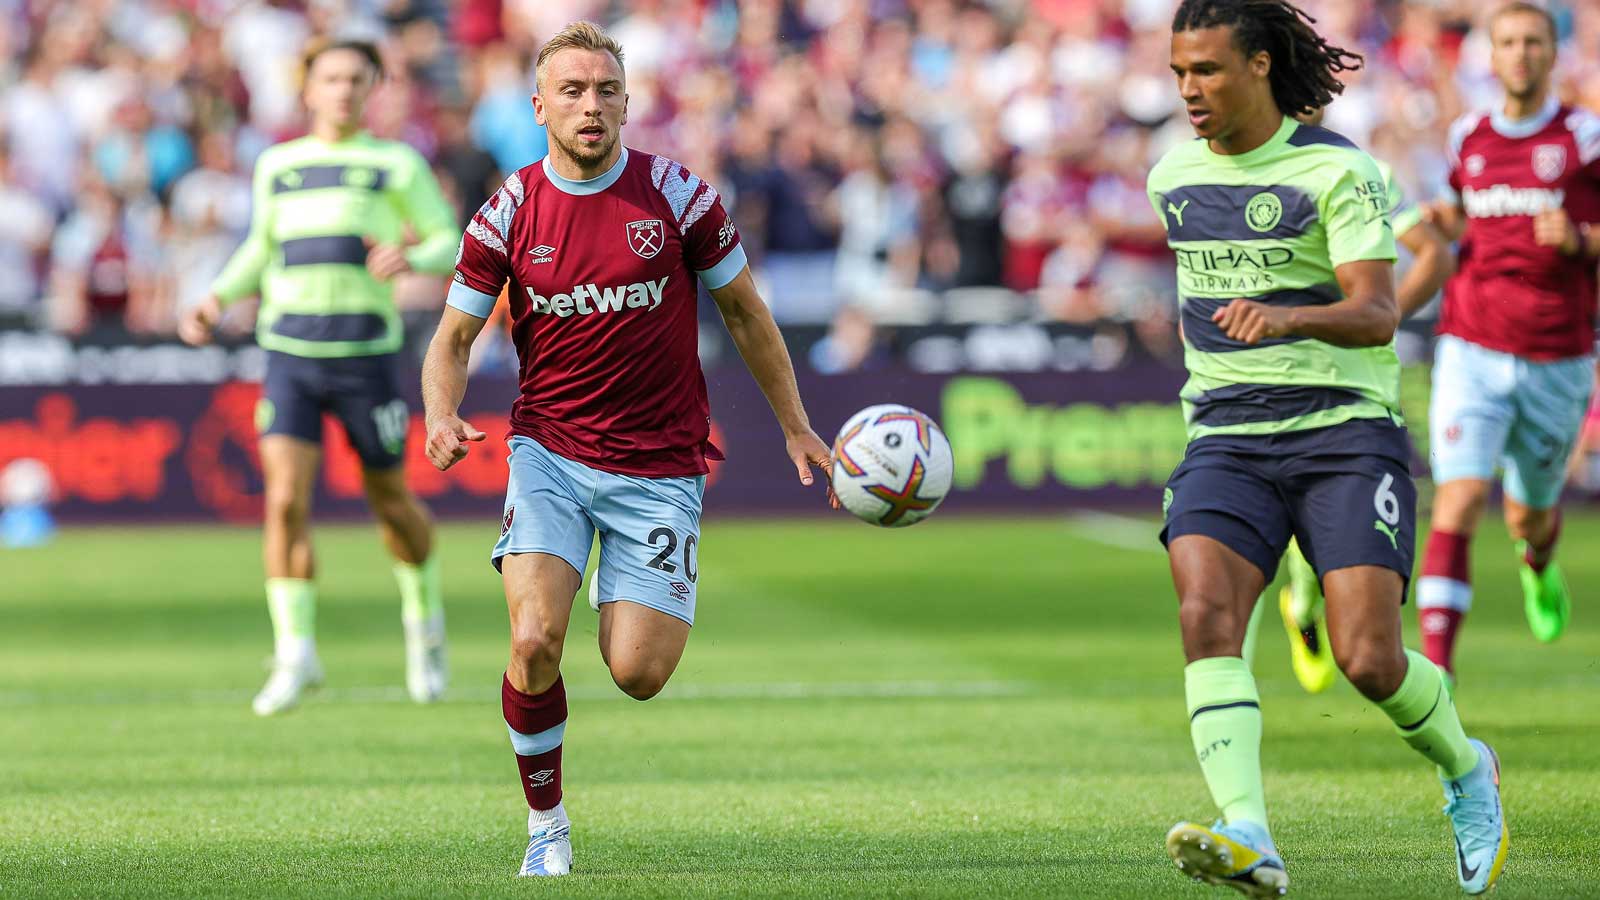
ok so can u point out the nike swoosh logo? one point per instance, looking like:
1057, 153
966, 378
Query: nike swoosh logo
1466, 873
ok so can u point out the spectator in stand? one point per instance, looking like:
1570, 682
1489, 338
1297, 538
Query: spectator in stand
103, 266
468, 174
25, 226
972, 207
139, 154
801, 230
1012, 130
208, 217
878, 251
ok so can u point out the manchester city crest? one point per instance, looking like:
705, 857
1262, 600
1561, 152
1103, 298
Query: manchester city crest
1263, 212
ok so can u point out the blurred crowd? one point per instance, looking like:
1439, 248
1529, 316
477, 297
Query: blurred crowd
887, 161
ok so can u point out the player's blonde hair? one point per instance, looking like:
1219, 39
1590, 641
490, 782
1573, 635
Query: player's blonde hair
1526, 9
579, 35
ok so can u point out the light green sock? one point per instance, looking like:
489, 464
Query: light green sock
1225, 723
1252, 630
1425, 716
421, 598
292, 603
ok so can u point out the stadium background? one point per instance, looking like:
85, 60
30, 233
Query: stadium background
944, 203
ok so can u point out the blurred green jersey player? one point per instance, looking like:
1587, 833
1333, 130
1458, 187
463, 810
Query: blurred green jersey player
337, 214
1286, 287
1300, 599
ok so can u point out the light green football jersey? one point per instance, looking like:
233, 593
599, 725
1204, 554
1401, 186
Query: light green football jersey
316, 205
1271, 225
1403, 214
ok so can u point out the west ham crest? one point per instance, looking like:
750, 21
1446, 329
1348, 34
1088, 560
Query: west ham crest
646, 237
1549, 161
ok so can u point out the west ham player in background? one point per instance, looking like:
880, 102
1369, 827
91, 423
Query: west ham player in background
1514, 367
330, 211
604, 247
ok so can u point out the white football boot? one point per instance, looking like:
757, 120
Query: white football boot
427, 668
289, 681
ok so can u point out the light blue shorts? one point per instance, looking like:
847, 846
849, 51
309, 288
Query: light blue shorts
1493, 410
649, 527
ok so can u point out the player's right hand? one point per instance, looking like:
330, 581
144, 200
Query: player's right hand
1554, 228
200, 321
447, 441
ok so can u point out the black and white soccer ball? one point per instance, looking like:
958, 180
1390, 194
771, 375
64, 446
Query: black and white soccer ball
891, 465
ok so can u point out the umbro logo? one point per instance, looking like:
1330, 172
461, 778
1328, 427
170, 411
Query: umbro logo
542, 253
542, 777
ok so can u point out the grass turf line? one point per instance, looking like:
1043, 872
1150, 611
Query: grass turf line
788, 757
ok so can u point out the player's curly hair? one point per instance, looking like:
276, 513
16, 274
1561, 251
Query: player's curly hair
1304, 64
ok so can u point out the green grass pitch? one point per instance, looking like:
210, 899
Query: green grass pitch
975, 707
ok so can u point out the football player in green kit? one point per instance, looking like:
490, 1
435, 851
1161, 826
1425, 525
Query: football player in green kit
336, 215
1286, 257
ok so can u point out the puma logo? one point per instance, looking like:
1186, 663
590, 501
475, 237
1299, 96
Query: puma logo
1177, 211
1390, 533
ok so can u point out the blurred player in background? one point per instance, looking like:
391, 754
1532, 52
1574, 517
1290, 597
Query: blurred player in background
1300, 601
1286, 282
604, 248
1514, 366
336, 215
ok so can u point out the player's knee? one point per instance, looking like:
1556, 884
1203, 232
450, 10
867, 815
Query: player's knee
1209, 620
1458, 505
639, 679
1528, 524
284, 505
536, 647
1373, 669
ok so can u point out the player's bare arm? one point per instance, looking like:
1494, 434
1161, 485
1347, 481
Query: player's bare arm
1432, 264
756, 335
1447, 216
444, 383
1366, 317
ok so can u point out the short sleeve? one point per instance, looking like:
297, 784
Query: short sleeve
483, 261
1403, 214
710, 242
711, 245
1585, 128
1355, 209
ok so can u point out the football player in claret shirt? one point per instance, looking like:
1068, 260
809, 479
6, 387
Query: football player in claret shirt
604, 248
1514, 366
329, 213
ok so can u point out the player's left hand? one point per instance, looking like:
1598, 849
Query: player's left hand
807, 450
1554, 228
1250, 322
385, 261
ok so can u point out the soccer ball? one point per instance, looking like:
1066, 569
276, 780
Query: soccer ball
891, 465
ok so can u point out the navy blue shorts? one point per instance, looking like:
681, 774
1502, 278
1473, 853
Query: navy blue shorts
362, 391
1343, 492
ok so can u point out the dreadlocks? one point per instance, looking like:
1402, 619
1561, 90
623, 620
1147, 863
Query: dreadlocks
1303, 63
